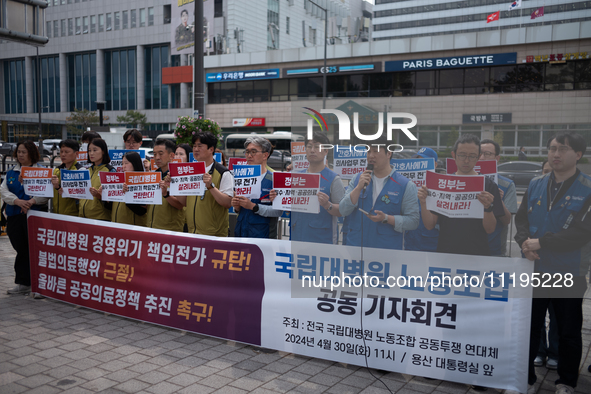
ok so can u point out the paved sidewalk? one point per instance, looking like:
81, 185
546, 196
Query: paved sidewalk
48, 346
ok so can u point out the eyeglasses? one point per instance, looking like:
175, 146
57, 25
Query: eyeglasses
561, 149
251, 152
315, 147
132, 141
488, 154
463, 157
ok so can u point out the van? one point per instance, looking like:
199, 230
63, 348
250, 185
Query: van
166, 137
281, 141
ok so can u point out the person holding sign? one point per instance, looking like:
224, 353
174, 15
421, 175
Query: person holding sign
129, 213
491, 150
98, 155
18, 203
65, 206
465, 235
379, 204
132, 139
256, 218
208, 214
169, 215
554, 230
321, 227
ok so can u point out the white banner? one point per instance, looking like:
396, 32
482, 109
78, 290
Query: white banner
143, 188
247, 180
76, 184
455, 195
112, 184
186, 179
37, 181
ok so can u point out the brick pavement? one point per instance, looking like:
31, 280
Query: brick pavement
47, 347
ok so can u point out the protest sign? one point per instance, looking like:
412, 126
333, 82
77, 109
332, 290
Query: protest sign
37, 181
455, 196
82, 159
487, 168
236, 161
112, 183
414, 169
299, 161
348, 162
76, 184
471, 332
116, 156
143, 187
296, 192
247, 180
186, 179
217, 156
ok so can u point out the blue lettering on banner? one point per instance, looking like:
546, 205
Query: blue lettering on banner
269, 73
413, 164
72, 175
452, 62
348, 152
117, 154
245, 171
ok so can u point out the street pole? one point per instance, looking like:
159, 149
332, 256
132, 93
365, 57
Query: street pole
325, 42
38, 72
198, 77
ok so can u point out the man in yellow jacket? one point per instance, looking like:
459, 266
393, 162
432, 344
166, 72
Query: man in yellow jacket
65, 206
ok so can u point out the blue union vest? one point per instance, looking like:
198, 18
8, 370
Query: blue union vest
376, 235
422, 239
309, 227
16, 188
558, 218
251, 225
494, 239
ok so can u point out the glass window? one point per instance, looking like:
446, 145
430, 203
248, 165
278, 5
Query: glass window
280, 90
56, 28
451, 81
228, 92
244, 92
218, 8
150, 16
124, 21
48, 29
62, 2
93, 23
117, 20
476, 80
101, 25
560, 76
502, 79
85, 25
403, 83
428, 138
530, 77
357, 83
262, 89
132, 17
70, 26
166, 14
142, 17
380, 84
583, 74
528, 138
287, 25
109, 26
426, 83
63, 23
78, 25
336, 86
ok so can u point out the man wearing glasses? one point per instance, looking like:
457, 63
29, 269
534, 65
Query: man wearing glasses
466, 235
554, 230
497, 241
132, 139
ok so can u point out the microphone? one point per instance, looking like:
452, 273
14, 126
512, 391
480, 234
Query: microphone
369, 168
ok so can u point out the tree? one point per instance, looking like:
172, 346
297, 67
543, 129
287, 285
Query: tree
80, 120
134, 118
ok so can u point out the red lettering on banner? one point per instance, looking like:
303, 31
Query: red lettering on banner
301, 200
115, 193
143, 195
286, 201
352, 170
77, 191
242, 191
189, 186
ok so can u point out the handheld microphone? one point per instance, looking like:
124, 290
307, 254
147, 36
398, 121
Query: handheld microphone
369, 168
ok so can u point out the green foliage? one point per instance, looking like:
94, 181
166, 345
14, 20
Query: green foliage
187, 127
80, 120
498, 138
134, 118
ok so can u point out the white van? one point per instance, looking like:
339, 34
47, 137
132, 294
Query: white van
166, 137
281, 141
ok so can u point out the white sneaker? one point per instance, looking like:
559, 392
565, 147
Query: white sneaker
564, 389
530, 390
552, 363
19, 289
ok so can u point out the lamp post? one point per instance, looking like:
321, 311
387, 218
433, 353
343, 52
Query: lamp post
325, 40
38, 72
198, 80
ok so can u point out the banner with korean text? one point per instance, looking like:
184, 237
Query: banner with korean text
414, 169
143, 188
82, 159
475, 331
116, 156
76, 184
186, 179
112, 184
297, 192
247, 180
299, 161
488, 168
37, 181
348, 162
236, 161
455, 196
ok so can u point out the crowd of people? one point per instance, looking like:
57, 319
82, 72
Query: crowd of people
381, 209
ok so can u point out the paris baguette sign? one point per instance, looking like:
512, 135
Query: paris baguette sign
497, 59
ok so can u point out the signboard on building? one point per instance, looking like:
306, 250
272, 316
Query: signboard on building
248, 122
182, 26
334, 69
243, 75
435, 63
556, 57
487, 118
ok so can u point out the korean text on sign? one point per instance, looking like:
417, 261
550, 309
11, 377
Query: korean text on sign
143, 188
76, 184
414, 169
116, 156
247, 181
37, 181
348, 162
299, 161
112, 184
236, 161
296, 192
186, 179
455, 195
488, 168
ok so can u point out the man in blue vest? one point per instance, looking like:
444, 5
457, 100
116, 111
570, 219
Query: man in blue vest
422, 239
379, 204
320, 227
256, 218
553, 228
497, 241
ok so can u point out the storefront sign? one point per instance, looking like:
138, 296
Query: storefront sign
556, 57
344, 69
248, 122
496, 59
248, 75
487, 118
